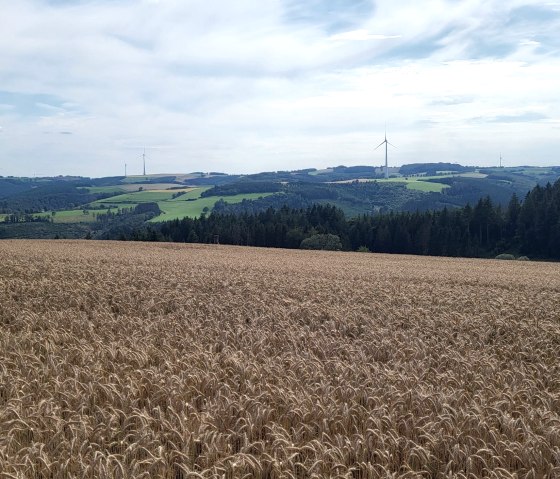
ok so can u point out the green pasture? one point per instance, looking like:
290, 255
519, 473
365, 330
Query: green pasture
419, 185
412, 183
473, 174
188, 204
70, 216
76, 216
191, 194
321, 172
145, 196
111, 206
181, 207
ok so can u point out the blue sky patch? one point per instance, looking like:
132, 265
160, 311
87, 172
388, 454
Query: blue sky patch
334, 16
527, 117
531, 14
34, 105
483, 48
415, 50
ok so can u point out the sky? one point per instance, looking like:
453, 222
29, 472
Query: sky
263, 85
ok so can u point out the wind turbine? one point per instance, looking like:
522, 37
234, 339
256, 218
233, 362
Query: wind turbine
386, 163
144, 161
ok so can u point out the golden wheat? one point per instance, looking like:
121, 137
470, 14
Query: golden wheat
122, 360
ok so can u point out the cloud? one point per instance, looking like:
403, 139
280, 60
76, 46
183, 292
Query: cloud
519, 118
33, 105
452, 100
360, 36
330, 15
257, 85
529, 117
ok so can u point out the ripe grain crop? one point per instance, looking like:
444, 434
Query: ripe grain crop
130, 360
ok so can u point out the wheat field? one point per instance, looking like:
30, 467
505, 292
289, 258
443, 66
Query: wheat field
130, 360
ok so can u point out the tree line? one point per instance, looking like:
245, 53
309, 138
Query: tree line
530, 227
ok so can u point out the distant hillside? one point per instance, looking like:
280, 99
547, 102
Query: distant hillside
46, 195
106, 204
363, 190
530, 227
430, 169
13, 186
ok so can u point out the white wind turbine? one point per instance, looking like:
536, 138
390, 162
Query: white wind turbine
144, 161
386, 162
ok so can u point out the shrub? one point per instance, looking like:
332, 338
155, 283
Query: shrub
363, 249
505, 256
323, 242
523, 258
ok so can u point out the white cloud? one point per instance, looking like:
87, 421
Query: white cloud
242, 86
361, 35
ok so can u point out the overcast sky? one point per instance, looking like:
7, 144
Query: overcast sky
261, 85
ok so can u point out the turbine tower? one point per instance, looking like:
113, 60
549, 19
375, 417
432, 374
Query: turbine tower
144, 160
386, 162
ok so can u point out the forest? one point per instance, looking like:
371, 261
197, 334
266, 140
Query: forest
24, 196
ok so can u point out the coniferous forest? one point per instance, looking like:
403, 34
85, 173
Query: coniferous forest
529, 227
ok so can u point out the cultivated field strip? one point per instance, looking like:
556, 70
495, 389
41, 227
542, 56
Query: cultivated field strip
129, 360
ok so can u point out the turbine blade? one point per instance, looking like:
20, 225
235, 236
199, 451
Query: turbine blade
380, 144
392, 145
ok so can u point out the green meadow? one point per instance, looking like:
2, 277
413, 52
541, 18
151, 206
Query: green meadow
412, 183
149, 196
183, 207
418, 184
188, 204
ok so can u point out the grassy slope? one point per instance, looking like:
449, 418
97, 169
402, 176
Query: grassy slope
74, 216
474, 174
181, 208
78, 216
142, 197
70, 216
190, 204
320, 172
126, 195
419, 183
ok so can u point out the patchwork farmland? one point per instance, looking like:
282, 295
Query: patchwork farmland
174, 202
176, 361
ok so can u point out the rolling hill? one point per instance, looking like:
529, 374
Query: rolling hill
357, 190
